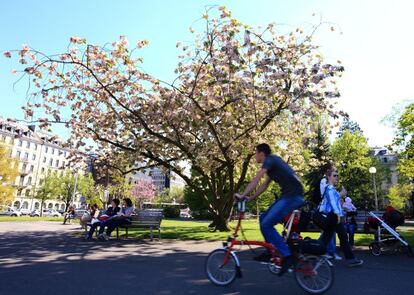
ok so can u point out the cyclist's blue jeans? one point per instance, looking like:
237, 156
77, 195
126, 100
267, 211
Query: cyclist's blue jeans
274, 215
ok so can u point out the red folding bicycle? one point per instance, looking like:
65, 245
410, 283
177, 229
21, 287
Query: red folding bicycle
313, 271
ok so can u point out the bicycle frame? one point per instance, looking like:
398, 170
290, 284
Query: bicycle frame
232, 241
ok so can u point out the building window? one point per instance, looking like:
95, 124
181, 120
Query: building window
34, 157
35, 146
44, 159
57, 163
46, 149
21, 181
20, 142
28, 145
53, 151
29, 180
50, 162
27, 193
385, 160
26, 156
18, 154
63, 164
24, 167
31, 168
43, 169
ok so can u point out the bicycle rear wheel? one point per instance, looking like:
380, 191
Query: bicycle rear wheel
314, 274
221, 267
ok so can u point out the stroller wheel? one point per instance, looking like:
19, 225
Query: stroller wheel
375, 248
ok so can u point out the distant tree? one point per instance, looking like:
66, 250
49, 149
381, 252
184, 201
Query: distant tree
403, 145
143, 190
349, 125
318, 163
351, 156
62, 186
119, 187
170, 195
399, 195
404, 142
49, 188
9, 170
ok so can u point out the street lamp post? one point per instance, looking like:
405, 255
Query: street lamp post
373, 170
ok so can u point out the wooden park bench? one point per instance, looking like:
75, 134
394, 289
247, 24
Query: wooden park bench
144, 219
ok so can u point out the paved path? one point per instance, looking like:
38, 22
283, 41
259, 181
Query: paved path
42, 258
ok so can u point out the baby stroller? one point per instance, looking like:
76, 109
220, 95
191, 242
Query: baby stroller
387, 239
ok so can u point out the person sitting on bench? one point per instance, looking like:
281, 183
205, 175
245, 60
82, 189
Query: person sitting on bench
123, 217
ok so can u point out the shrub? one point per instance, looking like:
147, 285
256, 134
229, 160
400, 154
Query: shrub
171, 212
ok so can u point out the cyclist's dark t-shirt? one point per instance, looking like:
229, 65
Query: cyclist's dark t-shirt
279, 171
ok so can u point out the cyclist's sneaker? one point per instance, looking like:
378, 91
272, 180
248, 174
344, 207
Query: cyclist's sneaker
288, 262
263, 257
337, 257
354, 262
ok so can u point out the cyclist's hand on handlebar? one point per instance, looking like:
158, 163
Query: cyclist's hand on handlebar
240, 197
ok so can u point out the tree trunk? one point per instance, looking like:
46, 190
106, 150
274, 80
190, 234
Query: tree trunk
221, 216
220, 223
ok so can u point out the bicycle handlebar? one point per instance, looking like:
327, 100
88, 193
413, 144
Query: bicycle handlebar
241, 205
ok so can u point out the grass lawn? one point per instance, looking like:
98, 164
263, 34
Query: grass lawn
198, 230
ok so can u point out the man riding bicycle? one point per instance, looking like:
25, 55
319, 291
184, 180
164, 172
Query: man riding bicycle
292, 198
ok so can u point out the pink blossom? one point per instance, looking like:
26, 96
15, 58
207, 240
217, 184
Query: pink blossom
7, 54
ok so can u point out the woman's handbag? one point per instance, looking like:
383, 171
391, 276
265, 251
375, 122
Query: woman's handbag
324, 221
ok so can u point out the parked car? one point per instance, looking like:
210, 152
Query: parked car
24, 211
8, 211
46, 213
185, 213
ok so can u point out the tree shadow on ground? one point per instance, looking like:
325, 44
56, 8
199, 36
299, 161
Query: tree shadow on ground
49, 262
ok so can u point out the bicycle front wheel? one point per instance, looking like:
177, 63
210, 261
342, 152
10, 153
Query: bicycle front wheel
221, 267
314, 274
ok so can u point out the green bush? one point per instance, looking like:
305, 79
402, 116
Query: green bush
171, 212
202, 215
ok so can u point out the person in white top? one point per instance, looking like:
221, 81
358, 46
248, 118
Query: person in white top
348, 206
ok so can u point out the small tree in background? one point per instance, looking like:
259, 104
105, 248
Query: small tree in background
144, 190
9, 170
318, 163
48, 189
399, 195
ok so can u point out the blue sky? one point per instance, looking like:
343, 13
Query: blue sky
376, 44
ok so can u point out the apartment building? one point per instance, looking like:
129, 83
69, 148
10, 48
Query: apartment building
38, 153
